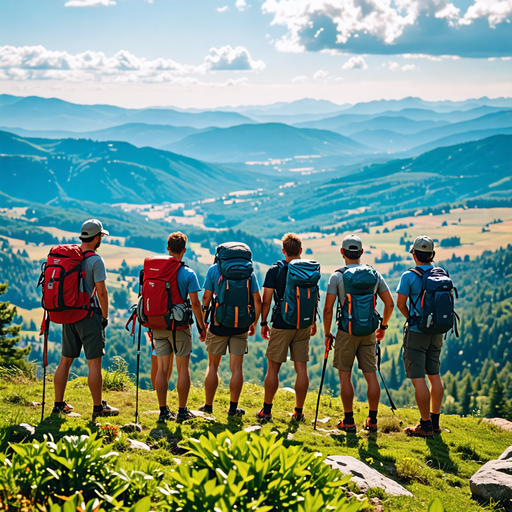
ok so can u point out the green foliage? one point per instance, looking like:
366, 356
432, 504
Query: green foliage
436, 506
409, 471
117, 378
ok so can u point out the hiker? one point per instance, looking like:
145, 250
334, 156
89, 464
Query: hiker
360, 327
423, 335
183, 281
88, 332
293, 322
232, 301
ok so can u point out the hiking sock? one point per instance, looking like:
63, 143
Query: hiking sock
163, 409
267, 408
182, 410
99, 408
373, 416
435, 420
298, 410
426, 425
208, 408
59, 404
233, 406
349, 418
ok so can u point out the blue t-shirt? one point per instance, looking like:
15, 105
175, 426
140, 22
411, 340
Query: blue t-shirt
211, 283
187, 282
410, 285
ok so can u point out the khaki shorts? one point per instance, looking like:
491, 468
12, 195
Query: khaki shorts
217, 345
88, 333
163, 343
296, 339
347, 347
422, 354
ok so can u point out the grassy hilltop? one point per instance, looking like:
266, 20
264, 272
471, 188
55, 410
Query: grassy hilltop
435, 468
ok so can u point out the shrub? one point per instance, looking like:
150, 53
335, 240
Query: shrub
388, 425
117, 378
409, 470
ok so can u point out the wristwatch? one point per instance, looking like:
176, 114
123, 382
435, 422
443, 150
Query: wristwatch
204, 309
383, 327
264, 324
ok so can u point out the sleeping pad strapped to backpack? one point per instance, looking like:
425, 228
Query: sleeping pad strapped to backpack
298, 305
234, 304
357, 314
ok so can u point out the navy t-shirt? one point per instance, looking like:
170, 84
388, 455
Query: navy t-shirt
276, 279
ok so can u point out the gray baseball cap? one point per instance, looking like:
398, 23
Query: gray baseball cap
92, 227
423, 244
352, 243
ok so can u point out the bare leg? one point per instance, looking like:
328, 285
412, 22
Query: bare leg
373, 392
161, 380
95, 379
436, 392
347, 391
211, 381
422, 395
301, 383
271, 381
60, 379
154, 370
183, 384
236, 382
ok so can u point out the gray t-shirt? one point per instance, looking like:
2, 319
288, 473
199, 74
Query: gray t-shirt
336, 285
95, 271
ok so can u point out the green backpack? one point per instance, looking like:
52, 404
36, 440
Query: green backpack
357, 314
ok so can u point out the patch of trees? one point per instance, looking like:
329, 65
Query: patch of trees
453, 241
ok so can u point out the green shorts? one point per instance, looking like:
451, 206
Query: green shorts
88, 333
422, 354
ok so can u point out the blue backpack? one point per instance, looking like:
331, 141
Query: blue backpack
357, 314
298, 305
436, 312
234, 304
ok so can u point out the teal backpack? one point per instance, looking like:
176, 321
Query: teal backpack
234, 304
357, 314
298, 305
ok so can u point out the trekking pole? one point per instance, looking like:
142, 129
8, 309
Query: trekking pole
393, 406
45, 331
328, 347
138, 364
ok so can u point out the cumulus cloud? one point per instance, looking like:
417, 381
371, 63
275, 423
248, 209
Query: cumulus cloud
356, 62
240, 4
393, 26
393, 66
410, 67
321, 75
222, 9
300, 79
227, 58
38, 63
89, 3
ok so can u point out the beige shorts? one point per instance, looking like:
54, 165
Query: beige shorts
347, 347
296, 339
163, 343
217, 345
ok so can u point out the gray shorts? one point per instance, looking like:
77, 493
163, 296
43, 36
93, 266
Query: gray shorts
164, 344
422, 354
218, 345
88, 333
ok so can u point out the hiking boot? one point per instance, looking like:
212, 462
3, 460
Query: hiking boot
203, 409
368, 425
62, 409
346, 427
262, 416
107, 410
417, 431
438, 430
183, 416
238, 413
167, 416
299, 418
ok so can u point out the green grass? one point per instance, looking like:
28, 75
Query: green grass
429, 469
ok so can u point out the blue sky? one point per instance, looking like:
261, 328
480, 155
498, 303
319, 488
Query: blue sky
209, 53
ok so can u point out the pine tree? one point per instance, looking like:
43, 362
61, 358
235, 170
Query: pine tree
385, 355
9, 355
393, 381
400, 372
465, 401
497, 402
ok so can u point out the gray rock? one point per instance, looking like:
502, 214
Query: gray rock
252, 428
73, 415
493, 480
500, 423
156, 434
321, 420
507, 454
25, 429
203, 415
365, 476
131, 427
289, 437
290, 390
137, 445
35, 404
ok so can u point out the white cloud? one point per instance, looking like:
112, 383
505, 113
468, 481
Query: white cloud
89, 3
227, 58
495, 11
356, 62
429, 57
410, 67
222, 9
321, 75
300, 79
393, 66
38, 63
339, 79
240, 4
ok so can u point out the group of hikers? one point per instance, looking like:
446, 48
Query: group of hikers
75, 295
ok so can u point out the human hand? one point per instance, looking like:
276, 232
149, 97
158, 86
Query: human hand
313, 329
265, 332
252, 329
104, 322
379, 334
202, 335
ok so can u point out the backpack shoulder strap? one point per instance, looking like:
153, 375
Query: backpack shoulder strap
87, 254
418, 271
341, 270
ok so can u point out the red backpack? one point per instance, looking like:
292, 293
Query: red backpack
161, 305
64, 298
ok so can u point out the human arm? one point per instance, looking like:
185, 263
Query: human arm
389, 304
102, 294
265, 308
196, 308
401, 304
330, 299
257, 311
